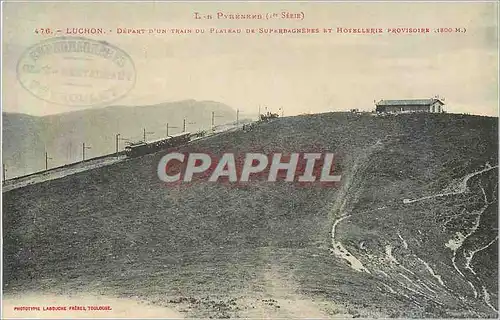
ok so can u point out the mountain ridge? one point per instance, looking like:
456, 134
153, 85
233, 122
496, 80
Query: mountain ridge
26, 138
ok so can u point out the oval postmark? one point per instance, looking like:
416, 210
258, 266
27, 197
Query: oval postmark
76, 71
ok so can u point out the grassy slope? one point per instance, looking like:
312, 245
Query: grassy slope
119, 230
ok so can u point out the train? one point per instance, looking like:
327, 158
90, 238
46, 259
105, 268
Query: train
141, 148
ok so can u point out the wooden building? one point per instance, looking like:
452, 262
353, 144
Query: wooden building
433, 105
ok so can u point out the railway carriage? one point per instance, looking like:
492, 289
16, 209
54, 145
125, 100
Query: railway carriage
141, 148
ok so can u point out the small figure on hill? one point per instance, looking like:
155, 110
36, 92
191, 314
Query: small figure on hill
268, 116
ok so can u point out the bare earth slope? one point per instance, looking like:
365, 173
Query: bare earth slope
411, 232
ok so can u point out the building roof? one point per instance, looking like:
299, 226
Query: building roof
408, 102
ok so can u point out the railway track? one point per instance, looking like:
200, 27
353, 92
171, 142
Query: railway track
69, 169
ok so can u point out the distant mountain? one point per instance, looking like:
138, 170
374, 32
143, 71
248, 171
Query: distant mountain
26, 138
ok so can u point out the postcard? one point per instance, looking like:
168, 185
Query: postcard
259, 160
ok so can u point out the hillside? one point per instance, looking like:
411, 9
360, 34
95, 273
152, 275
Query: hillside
411, 232
26, 138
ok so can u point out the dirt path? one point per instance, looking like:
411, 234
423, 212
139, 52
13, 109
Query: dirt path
351, 188
340, 251
454, 189
280, 300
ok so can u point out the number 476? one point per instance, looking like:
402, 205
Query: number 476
43, 31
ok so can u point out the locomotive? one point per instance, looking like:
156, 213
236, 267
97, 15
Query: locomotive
141, 148
268, 116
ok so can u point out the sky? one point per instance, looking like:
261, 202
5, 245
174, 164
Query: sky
301, 73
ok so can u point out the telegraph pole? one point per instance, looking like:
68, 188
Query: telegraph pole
116, 143
69, 152
184, 123
144, 134
213, 120
83, 151
47, 161
4, 172
237, 117
168, 127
